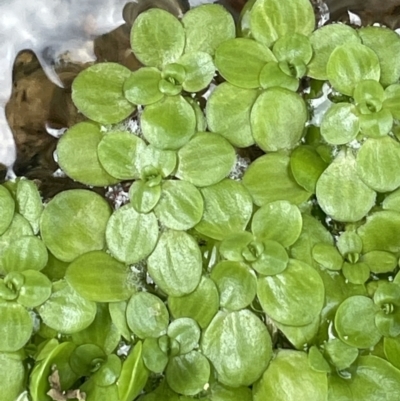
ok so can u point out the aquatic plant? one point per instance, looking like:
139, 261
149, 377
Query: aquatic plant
243, 251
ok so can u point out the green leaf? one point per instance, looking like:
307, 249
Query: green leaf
220, 27
201, 305
273, 259
219, 392
375, 380
279, 221
163, 161
380, 262
392, 201
272, 19
240, 337
36, 289
204, 153
97, 89
169, 124
154, 358
385, 43
228, 113
131, 236
73, 223
83, 358
369, 93
12, 373
176, 264
16, 326
351, 63
101, 332
392, 350
272, 75
134, 375
359, 333
180, 206
291, 367
144, 197
98, 277
142, 86
317, 361
282, 127
240, 247
307, 166
241, 60
349, 245
340, 354
66, 311
118, 153
237, 284
381, 232
186, 332
108, 372
294, 297
200, 70
356, 273
29, 202
392, 100
327, 256
227, 209
340, 124
293, 48
157, 38
341, 193
118, 317
7, 208
147, 316
188, 374
24, 253
376, 125
269, 179
78, 158
375, 161
324, 41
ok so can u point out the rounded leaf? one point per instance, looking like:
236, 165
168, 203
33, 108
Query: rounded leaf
380, 262
96, 276
239, 347
204, 153
294, 297
147, 316
176, 263
340, 354
168, 124
341, 193
293, 48
73, 223
351, 63
97, 89
186, 332
180, 206
228, 113
144, 197
278, 119
7, 208
272, 75
36, 289
200, 71
273, 260
327, 256
131, 236
157, 38
12, 372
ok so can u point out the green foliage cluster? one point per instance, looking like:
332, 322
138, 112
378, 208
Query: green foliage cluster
279, 283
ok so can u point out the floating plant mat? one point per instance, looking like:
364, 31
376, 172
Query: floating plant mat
207, 272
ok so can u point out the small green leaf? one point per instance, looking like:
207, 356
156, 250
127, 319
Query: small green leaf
272, 19
317, 361
66, 311
144, 197
282, 127
241, 60
294, 297
279, 221
380, 262
201, 304
272, 76
340, 354
220, 27
237, 284
36, 289
12, 373
97, 89
233, 246
341, 193
273, 259
327, 256
118, 153
340, 124
219, 392
83, 358
351, 63
269, 179
180, 206
7, 208
147, 315
359, 333
186, 332
228, 113
169, 124
78, 158
392, 101
162, 161
118, 316
391, 347
157, 38
204, 153
141, 87
293, 48
96, 276
227, 209
240, 337
131, 236
73, 223
349, 245
176, 264
376, 125
356, 273
188, 374
29, 202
